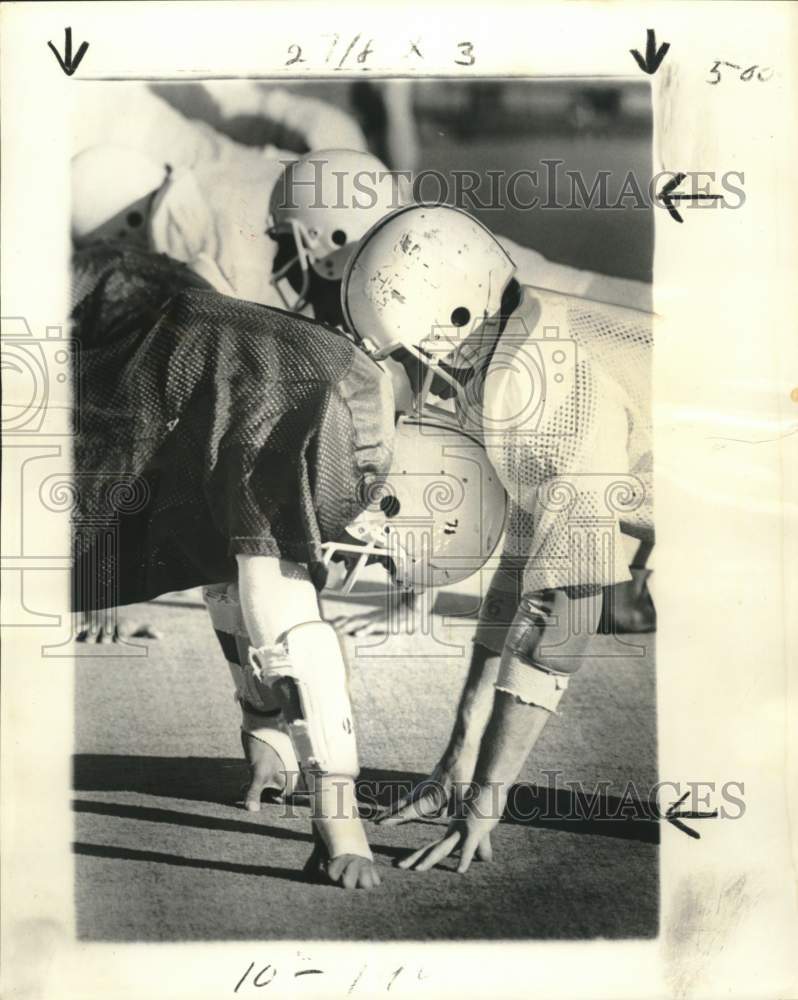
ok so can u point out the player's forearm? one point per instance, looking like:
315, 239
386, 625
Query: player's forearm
619, 291
476, 700
511, 733
275, 596
532, 268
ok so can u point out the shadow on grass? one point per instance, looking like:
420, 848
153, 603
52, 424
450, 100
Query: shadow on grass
219, 780
158, 857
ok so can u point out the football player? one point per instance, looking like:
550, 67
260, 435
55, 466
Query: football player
210, 216
230, 123
557, 388
251, 232
251, 448
319, 206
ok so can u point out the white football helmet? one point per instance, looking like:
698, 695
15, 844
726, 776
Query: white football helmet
325, 201
423, 277
437, 516
112, 191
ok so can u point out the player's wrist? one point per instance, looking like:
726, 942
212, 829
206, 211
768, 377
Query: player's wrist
337, 818
467, 734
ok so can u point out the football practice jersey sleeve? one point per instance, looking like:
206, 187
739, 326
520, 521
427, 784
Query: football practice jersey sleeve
533, 269
246, 429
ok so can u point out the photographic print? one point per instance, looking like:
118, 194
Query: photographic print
378, 423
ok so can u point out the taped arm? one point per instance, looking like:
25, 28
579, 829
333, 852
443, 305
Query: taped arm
298, 656
275, 595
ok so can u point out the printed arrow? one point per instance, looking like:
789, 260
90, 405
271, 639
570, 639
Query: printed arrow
674, 817
667, 197
654, 56
68, 64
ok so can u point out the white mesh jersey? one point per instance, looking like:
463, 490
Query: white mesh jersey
565, 413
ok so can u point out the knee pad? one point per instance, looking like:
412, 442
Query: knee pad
498, 607
262, 716
307, 668
525, 670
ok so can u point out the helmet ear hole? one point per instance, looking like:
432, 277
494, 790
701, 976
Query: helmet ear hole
338, 237
460, 316
390, 506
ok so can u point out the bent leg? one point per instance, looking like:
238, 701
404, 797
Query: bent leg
533, 669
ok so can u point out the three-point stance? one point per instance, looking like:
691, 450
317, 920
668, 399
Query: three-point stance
557, 388
263, 445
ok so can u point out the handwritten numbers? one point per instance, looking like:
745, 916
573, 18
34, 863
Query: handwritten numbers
467, 53
393, 977
263, 978
763, 73
241, 980
359, 58
295, 52
356, 52
365, 52
716, 71
380, 982
335, 40
357, 978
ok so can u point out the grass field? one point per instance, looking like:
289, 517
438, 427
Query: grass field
164, 853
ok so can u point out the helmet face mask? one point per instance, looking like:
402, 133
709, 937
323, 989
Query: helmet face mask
295, 297
320, 207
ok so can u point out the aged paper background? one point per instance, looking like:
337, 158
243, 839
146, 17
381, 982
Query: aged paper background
726, 415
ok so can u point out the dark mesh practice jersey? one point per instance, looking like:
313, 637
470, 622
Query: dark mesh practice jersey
209, 427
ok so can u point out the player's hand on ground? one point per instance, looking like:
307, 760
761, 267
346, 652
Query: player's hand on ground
349, 871
96, 632
444, 788
467, 835
266, 773
353, 872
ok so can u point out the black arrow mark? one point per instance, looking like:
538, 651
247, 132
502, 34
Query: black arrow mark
68, 64
667, 197
654, 56
674, 817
